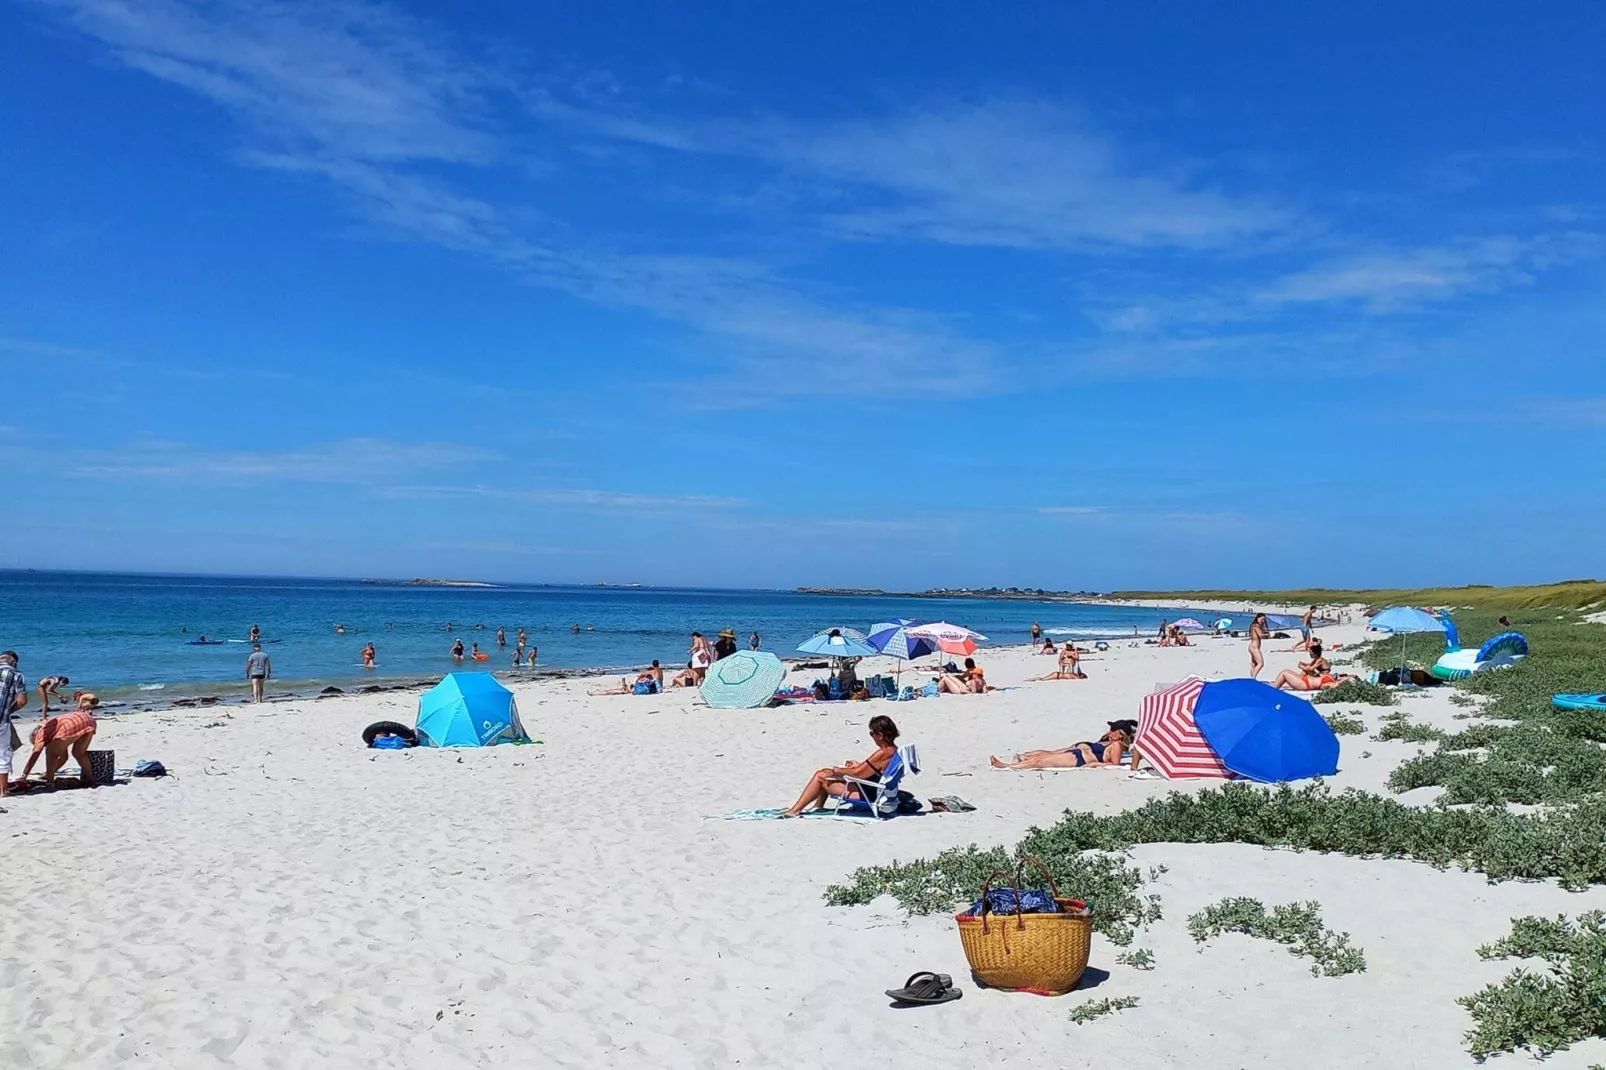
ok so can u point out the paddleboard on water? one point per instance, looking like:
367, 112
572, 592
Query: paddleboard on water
1596, 701
206, 642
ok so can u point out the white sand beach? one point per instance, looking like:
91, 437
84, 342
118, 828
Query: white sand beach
291, 899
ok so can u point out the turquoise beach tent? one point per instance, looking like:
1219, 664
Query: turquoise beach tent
468, 709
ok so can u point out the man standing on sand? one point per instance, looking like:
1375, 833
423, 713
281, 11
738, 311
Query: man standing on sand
257, 669
13, 697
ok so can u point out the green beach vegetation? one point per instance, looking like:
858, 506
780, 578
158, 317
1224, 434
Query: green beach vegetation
1568, 594
1298, 925
1516, 749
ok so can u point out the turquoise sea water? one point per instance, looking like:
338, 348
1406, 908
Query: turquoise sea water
126, 637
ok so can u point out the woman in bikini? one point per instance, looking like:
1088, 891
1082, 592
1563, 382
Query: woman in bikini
970, 682
1107, 751
828, 782
1068, 670
1313, 675
368, 656
1257, 634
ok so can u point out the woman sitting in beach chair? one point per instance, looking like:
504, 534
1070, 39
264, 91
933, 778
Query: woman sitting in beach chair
1068, 670
1108, 750
970, 682
828, 781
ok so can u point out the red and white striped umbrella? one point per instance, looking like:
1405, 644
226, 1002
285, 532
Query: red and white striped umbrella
1169, 738
950, 638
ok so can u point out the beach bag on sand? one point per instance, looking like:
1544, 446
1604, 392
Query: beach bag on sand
1041, 953
645, 687
931, 690
103, 766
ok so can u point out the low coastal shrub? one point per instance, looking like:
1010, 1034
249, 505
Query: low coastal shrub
1560, 843
1356, 691
1398, 725
1544, 1011
1139, 958
1538, 754
955, 878
1088, 1010
1346, 723
1298, 925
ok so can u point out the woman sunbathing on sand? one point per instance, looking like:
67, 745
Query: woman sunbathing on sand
1068, 670
828, 782
1048, 647
1107, 751
969, 682
1313, 675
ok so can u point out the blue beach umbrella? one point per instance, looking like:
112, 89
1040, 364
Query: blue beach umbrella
1265, 734
892, 638
1403, 620
838, 643
743, 681
468, 709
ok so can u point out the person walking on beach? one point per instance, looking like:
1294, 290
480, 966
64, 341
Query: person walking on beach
13, 697
1257, 633
702, 656
1037, 633
257, 669
726, 645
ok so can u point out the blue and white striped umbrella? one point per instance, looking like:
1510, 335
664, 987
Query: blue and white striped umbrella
892, 638
838, 643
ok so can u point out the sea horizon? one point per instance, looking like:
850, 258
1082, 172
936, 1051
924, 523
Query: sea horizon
132, 637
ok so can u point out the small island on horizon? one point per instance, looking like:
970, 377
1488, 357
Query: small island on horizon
428, 583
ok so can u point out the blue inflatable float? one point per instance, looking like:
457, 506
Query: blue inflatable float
1503, 650
1579, 702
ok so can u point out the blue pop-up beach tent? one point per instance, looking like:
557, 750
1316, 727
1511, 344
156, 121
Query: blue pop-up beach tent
468, 709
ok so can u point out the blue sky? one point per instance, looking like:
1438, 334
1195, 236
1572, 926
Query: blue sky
1107, 295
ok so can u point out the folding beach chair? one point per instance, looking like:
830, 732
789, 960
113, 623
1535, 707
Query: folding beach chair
880, 798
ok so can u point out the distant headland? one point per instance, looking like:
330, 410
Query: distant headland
1031, 594
427, 583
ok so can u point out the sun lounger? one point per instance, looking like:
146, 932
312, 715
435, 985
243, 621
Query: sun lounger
884, 792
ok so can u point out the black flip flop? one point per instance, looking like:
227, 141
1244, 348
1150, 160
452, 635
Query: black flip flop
926, 987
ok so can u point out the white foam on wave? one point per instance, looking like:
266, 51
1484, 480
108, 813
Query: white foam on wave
152, 687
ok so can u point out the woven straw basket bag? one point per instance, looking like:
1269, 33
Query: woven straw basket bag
1044, 953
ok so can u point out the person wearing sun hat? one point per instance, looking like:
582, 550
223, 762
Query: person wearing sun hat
726, 645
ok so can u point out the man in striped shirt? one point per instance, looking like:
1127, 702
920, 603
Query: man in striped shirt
13, 697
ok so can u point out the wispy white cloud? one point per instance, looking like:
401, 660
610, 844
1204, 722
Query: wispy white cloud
357, 461
1391, 279
367, 99
626, 501
1073, 510
1009, 172
338, 78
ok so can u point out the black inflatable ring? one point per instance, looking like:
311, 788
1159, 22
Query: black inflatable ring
389, 728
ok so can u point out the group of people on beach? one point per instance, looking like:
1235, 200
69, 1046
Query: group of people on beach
61, 733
